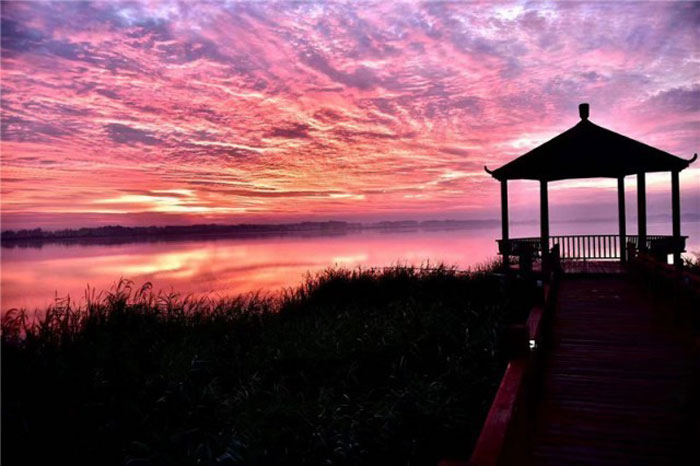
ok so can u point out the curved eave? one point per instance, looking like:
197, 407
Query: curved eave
594, 153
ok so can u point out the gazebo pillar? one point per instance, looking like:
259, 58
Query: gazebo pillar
641, 212
504, 222
622, 219
676, 206
544, 220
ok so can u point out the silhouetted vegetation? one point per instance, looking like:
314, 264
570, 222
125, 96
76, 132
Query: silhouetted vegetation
353, 367
692, 262
117, 231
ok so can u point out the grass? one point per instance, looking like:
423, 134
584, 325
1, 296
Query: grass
394, 366
692, 263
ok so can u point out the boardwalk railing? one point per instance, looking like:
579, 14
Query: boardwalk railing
509, 419
506, 434
589, 246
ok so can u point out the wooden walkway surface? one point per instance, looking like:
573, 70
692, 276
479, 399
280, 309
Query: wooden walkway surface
617, 383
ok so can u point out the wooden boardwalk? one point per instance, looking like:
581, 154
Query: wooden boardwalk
617, 383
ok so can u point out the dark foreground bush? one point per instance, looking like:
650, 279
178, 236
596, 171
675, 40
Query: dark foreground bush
354, 367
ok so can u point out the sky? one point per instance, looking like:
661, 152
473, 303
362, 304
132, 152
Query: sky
227, 112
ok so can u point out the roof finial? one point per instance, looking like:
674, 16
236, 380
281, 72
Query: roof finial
583, 111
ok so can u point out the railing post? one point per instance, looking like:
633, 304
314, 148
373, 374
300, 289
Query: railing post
555, 257
525, 257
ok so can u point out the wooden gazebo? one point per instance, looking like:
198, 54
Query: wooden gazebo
590, 151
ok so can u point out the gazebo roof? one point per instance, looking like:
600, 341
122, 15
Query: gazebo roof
588, 151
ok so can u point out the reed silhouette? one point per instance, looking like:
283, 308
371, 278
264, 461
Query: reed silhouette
352, 367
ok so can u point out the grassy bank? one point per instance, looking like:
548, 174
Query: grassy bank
354, 367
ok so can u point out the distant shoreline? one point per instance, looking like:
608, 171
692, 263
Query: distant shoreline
121, 234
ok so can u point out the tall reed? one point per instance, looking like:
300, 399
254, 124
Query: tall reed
354, 366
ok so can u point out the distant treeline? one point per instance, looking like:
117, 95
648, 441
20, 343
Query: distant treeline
228, 230
172, 230
8, 237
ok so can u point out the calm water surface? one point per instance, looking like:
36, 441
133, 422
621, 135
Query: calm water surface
33, 277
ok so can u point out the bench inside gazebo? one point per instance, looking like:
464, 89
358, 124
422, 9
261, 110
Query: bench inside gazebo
590, 151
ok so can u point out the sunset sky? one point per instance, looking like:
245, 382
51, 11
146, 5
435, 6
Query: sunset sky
178, 113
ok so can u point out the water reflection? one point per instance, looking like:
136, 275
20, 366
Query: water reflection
32, 277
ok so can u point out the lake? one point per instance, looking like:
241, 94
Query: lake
32, 277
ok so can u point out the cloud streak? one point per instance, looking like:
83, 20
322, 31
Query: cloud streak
263, 111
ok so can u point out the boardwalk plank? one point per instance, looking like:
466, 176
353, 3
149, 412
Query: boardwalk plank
618, 382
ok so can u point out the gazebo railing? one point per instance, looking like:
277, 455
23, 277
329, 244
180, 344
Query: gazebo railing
589, 246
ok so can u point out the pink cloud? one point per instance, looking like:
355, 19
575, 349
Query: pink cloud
267, 111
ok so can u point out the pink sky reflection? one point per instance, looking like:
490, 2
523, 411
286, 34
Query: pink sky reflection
32, 277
